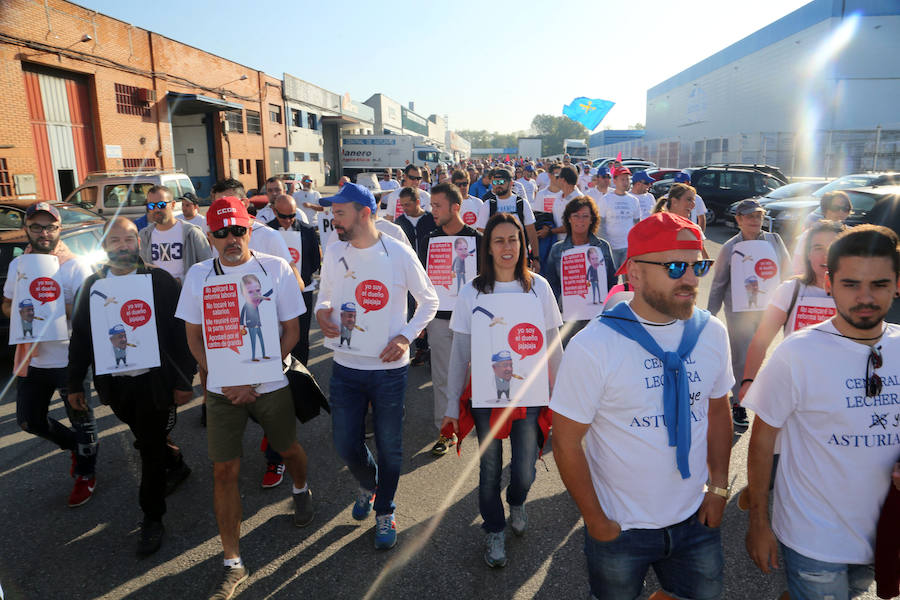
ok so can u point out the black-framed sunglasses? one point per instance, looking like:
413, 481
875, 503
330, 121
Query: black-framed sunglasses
676, 269
873, 381
155, 205
235, 230
413, 177
281, 216
39, 229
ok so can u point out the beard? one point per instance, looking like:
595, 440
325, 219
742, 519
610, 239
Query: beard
124, 258
864, 323
43, 246
668, 305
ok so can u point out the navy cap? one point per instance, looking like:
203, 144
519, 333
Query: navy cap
501, 356
603, 172
26, 303
529, 168
682, 177
749, 206
190, 197
348, 307
116, 329
641, 176
44, 207
352, 192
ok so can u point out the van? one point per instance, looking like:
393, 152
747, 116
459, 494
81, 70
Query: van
109, 193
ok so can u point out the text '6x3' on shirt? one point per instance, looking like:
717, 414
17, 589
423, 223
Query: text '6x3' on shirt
612, 383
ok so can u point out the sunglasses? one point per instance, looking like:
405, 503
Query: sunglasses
235, 230
281, 216
677, 268
155, 205
498, 181
413, 178
873, 382
842, 207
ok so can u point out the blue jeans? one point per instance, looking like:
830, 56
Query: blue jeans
351, 392
523, 437
812, 579
33, 393
256, 332
686, 557
619, 255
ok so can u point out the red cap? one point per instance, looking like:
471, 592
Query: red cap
659, 233
621, 171
225, 212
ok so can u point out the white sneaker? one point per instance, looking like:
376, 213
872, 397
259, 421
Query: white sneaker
495, 549
518, 520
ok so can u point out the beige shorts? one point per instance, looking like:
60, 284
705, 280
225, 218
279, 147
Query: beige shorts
225, 423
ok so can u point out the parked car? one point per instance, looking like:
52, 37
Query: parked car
633, 164
785, 192
720, 187
768, 169
82, 232
660, 174
125, 193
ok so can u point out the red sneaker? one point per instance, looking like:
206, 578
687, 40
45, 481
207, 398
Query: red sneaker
274, 475
83, 490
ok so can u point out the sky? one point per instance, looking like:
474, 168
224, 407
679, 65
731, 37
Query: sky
486, 64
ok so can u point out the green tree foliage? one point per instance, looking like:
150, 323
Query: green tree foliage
486, 139
554, 129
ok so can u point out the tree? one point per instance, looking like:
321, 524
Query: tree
637, 126
553, 130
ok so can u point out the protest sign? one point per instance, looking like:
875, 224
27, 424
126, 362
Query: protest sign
583, 277
754, 275
810, 311
38, 310
294, 242
123, 324
451, 263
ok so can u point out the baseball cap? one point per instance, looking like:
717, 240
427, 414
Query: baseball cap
621, 171
682, 177
352, 192
26, 302
116, 329
190, 197
658, 233
529, 168
348, 307
227, 211
502, 172
749, 206
602, 172
45, 207
501, 356
642, 177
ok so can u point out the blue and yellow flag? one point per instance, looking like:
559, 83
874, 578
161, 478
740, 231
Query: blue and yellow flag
588, 112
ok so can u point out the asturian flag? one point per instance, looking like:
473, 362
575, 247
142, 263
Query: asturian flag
588, 112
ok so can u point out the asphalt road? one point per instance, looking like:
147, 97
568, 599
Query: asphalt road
50, 551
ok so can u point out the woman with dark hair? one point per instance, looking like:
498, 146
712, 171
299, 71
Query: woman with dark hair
504, 270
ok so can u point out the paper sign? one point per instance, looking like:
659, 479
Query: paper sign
240, 330
469, 217
123, 324
755, 275
325, 225
549, 201
509, 356
38, 310
294, 242
583, 275
451, 263
810, 311
361, 299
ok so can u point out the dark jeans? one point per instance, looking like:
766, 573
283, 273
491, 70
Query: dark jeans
33, 393
132, 401
301, 349
352, 390
523, 438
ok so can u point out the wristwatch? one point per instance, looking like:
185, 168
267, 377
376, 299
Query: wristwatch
724, 492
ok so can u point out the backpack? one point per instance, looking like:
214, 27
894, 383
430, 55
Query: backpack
520, 209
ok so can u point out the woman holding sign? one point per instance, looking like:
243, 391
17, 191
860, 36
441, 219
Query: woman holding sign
509, 341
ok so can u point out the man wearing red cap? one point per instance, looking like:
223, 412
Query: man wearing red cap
229, 407
619, 211
647, 384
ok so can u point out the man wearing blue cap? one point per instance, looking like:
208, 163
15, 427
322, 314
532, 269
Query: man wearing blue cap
119, 340
640, 186
26, 313
501, 362
348, 322
358, 381
602, 178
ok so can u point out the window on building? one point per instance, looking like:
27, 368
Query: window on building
235, 121
253, 123
298, 156
241, 166
5, 180
275, 113
312, 120
127, 101
314, 157
296, 118
247, 166
133, 164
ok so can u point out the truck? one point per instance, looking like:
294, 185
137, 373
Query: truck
576, 149
529, 147
374, 153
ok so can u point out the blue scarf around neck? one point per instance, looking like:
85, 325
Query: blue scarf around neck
676, 392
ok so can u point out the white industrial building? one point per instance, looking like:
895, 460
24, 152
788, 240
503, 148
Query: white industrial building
814, 93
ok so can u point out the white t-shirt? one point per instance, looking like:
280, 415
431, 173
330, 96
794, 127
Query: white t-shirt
288, 299
198, 220
597, 195
781, 298
508, 205
618, 214
612, 383
71, 274
584, 181
529, 187
543, 180
461, 319
646, 202
392, 204
468, 212
267, 214
518, 189
312, 197
266, 240
383, 225
167, 249
837, 445
409, 277
544, 197
699, 208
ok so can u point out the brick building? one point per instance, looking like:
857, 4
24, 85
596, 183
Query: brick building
84, 92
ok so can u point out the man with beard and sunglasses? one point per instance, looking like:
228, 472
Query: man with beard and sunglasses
41, 367
228, 408
504, 200
829, 393
647, 384
167, 242
144, 399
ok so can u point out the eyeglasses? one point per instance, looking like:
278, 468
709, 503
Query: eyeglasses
873, 382
413, 178
677, 268
281, 216
498, 181
155, 205
235, 230
39, 229
841, 207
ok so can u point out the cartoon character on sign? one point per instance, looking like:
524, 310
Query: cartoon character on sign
119, 340
593, 273
26, 313
461, 247
348, 322
501, 362
751, 284
250, 321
